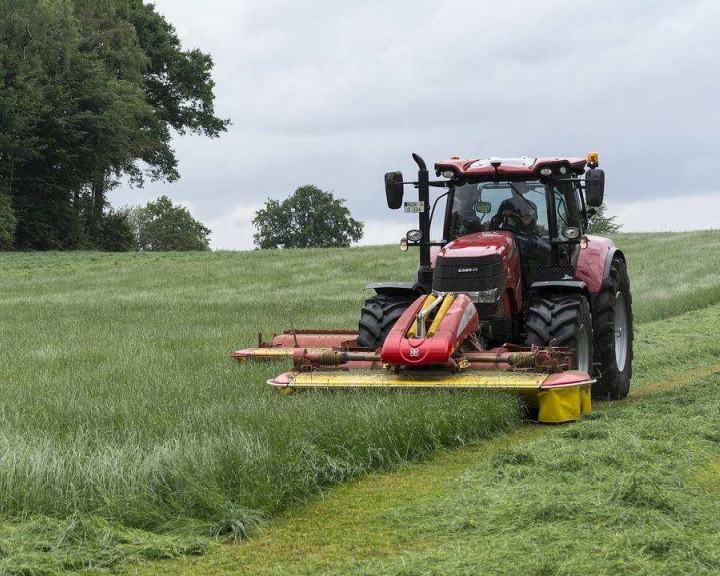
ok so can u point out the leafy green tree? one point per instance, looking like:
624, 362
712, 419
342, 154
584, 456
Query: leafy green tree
38, 67
310, 218
118, 234
161, 226
8, 222
90, 90
177, 86
602, 224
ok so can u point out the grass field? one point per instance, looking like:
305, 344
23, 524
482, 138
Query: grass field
631, 489
127, 433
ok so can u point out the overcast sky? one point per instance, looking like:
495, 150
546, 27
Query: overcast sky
337, 93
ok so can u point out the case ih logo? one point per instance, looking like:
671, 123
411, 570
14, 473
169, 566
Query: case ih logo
462, 270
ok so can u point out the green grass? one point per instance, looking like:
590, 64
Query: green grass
616, 494
672, 273
631, 489
122, 402
123, 413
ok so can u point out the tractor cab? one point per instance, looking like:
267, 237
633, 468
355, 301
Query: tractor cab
524, 209
542, 204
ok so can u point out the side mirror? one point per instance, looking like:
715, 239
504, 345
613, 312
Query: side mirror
594, 187
394, 189
483, 207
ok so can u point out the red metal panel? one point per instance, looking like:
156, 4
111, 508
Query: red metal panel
316, 340
567, 378
499, 243
590, 266
459, 322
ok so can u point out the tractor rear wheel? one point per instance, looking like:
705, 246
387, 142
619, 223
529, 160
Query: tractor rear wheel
613, 328
378, 316
564, 319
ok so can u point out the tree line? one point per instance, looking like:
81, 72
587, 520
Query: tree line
91, 91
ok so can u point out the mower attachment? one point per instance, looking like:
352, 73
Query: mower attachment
561, 397
538, 375
432, 346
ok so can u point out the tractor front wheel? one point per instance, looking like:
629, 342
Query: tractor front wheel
377, 318
613, 327
563, 320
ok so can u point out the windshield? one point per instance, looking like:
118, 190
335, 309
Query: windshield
516, 206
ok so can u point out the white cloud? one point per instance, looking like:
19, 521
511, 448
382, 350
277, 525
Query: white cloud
378, 232
337, 93
233, 231
671, 214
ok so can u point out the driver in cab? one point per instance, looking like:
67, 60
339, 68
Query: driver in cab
516, 214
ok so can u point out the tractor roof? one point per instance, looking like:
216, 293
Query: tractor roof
523, 168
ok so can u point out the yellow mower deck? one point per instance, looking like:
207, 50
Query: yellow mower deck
558, 397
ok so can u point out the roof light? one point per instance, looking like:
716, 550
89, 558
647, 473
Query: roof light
448, 174
563, 170
546, 172
495, 162
454, 157
593, 158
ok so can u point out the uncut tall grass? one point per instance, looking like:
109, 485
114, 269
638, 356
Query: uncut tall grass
120, 399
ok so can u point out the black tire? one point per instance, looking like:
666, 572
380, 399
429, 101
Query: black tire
613, 380
566, 319
378, 316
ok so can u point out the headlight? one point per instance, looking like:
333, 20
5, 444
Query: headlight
488, 296
414, 235
571, 233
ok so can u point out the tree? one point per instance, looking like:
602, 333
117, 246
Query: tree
310, 218
603, 224
91, 90
118, 233
8, 222
161, 226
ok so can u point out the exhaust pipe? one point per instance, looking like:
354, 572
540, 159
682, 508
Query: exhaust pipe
424, 270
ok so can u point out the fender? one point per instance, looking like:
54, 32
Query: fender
593, 262
413, 289
569, 286
611, 255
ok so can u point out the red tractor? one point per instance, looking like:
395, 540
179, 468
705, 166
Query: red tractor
514, 241
514, 297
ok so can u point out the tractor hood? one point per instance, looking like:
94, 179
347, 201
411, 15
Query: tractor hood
479, 244
485, 265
